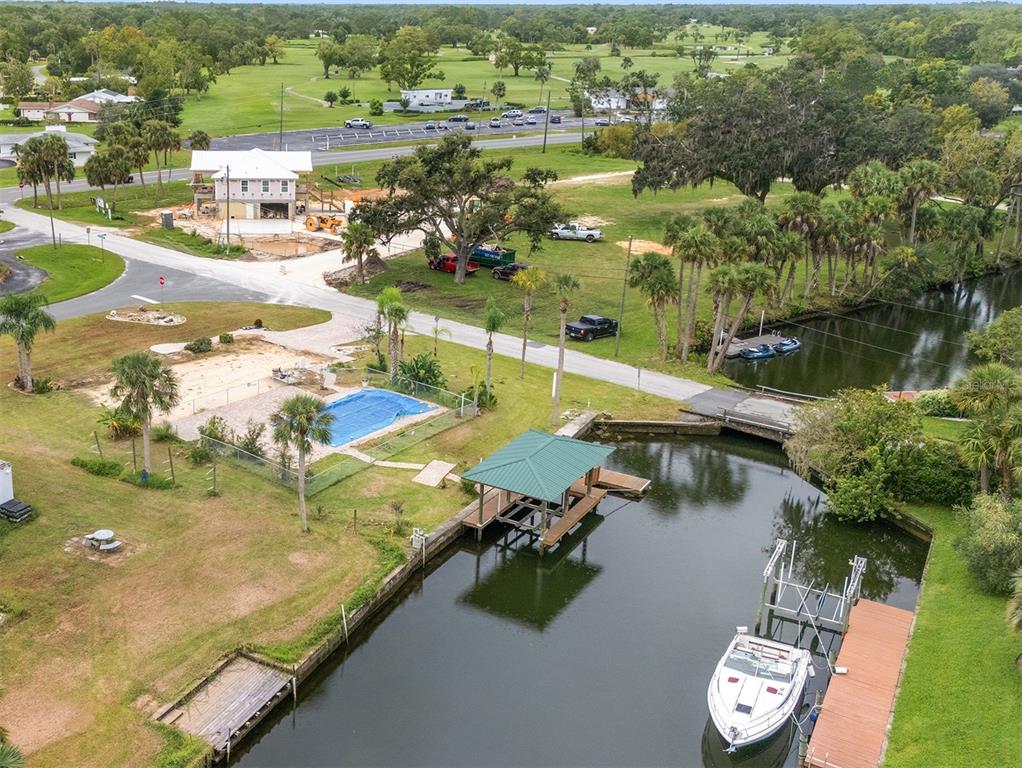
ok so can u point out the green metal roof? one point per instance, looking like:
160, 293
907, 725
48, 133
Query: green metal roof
539, 465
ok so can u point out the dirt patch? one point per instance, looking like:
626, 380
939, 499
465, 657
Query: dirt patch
410, 286
77, 546
590, 220
641, 246
342, 278
610, 177
34, 711
470, 303
146, 316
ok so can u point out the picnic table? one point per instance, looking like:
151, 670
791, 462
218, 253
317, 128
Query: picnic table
103, 540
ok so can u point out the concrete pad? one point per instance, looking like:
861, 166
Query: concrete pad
170, 348
434, 473
257, 227
713, 401
766, 408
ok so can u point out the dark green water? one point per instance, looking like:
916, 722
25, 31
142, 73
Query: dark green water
921, 346
600, 652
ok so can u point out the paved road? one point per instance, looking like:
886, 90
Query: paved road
24, 277
326, 139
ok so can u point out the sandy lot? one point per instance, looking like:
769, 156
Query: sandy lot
641, 246
218, 378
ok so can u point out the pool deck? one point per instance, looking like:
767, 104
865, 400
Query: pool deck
851, 731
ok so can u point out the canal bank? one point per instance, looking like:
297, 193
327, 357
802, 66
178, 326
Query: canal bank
535, 644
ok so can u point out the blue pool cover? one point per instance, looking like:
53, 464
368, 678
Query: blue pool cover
370, 409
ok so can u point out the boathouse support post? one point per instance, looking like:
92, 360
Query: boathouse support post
544, 509
479, 530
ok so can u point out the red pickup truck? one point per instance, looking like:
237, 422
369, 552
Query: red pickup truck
449, 263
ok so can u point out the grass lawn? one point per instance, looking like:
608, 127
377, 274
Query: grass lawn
6, 226
93, 645
73, 270
961, 691
130, 208
248, 99
599, 267
187, 242
943, 429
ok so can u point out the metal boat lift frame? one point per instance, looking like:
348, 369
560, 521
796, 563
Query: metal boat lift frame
823, 608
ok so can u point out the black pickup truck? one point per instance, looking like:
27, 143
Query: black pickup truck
591, 327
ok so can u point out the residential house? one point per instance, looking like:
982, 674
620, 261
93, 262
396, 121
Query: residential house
251, 184
427, 97
80, 146
622, 101
84, 109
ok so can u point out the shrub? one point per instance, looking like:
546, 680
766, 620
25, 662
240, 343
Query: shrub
258, 323
226, 338
863, 496
935, 474
42, 385
199, 346
938, 403
992, 542
487, 398
217, 429
198, 454
468, 486
424, 368
250, 441
375, 107
164, 433
119, 423
100, 467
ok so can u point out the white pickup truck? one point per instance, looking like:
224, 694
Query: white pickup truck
575, 231
358, 122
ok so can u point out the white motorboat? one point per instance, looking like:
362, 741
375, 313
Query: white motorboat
756, 688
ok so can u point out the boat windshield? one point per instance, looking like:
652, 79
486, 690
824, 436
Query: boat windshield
748, 663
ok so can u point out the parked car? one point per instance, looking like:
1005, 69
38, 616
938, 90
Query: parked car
555, 119
575, 231
601, 122
495, 122
530, 120
448, 262
589, 327
512, 113
537, 111
358, 122
430, 125
458, 119
518, 121
470, 126
508, 271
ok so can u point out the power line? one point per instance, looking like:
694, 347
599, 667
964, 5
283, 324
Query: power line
866, 344
926, 309
892, 328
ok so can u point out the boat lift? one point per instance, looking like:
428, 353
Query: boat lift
823, 608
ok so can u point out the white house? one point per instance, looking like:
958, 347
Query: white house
427, 97
611, 101
84, 109
80, 146
251, 184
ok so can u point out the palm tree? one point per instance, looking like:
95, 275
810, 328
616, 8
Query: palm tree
722, 285
529, 280
801, 215
921, 179
145, 386
493, 319
138, 154
978, 452
357, 242
22, 317
542, 75
750, 279
10, 756
564, 285
991, 395
653, 275
1015, 603
199, 140
301, 420
391, 307
159, 137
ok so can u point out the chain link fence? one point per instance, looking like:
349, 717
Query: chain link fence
457, 409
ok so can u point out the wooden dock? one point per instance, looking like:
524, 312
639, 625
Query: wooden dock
851, 731
571, 518
620, 482
495, 504
737, 345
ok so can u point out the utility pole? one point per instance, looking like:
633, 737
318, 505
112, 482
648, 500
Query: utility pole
546, 122
621, 309
280, 131
228, 167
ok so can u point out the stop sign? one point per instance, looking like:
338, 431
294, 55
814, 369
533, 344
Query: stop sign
162, 280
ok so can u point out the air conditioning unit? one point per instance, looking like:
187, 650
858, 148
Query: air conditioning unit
6, 482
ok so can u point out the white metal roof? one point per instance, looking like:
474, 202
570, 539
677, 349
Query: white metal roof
252, 163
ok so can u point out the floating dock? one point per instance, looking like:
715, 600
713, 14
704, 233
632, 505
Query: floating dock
737, 345
851, 731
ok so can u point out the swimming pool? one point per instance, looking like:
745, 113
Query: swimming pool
368, 410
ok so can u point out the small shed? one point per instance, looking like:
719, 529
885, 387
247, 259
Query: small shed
537, 472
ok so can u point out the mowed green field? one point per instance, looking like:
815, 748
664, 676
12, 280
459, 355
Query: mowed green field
248, 100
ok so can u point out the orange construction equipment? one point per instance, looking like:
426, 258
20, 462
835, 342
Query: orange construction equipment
332, 223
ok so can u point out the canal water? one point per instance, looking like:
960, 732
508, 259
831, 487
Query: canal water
921, 345
599, 653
